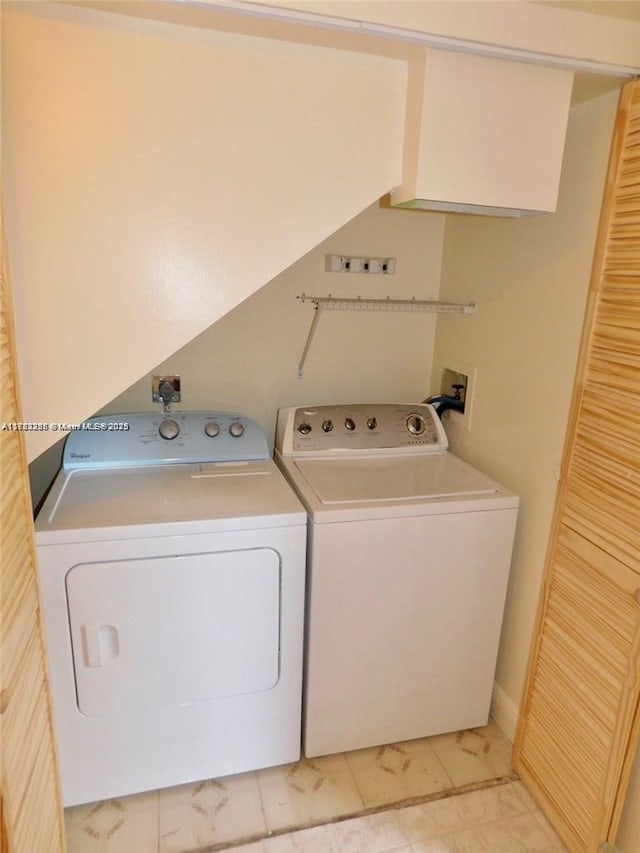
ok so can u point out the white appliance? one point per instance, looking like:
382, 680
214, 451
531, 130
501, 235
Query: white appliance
408, 560
172, 560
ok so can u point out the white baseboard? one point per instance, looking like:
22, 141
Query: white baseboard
504, 712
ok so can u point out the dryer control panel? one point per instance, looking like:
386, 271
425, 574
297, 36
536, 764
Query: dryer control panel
141, 438
360, 428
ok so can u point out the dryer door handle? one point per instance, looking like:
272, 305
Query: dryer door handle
91, 645
98, 642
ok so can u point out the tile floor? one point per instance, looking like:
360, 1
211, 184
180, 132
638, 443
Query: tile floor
325, 805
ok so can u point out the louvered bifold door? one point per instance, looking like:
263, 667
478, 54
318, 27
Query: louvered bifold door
30, 806
579, 721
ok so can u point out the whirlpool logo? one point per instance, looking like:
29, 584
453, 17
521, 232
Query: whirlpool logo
80, 455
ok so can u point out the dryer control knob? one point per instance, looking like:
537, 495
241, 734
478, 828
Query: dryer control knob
304, 428
350, 424
372, 423
169, 429
327, 426
236, 429
212, 429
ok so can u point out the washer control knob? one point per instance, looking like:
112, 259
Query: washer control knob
212, 429
416, 424
236, 429
327, 426
304, 428
169, 429
372, 423
349, 424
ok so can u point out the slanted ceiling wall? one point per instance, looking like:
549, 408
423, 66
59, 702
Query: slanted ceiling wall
156, 175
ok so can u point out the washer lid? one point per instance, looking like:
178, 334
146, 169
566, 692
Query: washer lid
393, 478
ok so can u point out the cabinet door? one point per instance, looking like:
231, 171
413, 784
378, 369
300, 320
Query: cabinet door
582, 700
30, 803
579, 723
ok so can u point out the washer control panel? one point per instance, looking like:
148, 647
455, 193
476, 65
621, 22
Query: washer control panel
139, 439
360, 427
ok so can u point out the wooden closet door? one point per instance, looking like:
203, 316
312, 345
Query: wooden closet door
579, 722
30, 804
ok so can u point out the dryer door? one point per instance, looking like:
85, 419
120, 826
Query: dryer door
166, 631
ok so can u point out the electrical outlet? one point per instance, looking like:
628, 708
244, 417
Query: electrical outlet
371, 266
335, 263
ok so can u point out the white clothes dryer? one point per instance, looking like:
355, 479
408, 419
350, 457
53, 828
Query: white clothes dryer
408, 560
171, 557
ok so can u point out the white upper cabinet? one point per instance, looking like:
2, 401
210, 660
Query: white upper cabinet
483, 135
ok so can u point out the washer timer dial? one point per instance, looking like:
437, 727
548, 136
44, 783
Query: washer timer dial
416, 424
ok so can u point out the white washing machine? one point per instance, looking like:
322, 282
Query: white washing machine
171, 554
408, 560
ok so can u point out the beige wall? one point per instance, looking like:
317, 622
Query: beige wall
248, 360
155, 175
509, 23
529, 279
